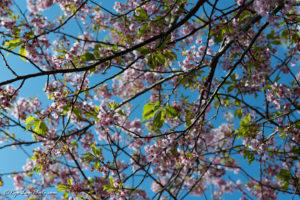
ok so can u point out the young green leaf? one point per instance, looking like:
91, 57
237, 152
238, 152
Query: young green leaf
171, 112
149, 110
22, 52
141, 15
87, 56
159, 119
61, 188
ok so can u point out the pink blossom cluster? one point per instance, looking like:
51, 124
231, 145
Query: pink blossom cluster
278, 93
130, 87
105, 116
23, 107
262, 193
39, 5
7, 96
150, 118
263, 7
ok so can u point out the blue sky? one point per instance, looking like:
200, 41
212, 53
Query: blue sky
12, 160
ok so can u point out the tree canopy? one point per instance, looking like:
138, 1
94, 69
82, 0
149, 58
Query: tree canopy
153, 99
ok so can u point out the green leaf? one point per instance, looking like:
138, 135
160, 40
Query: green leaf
283, 135
97, 165
77, 112
111, 180
88, 157
74, 143
233, 56
218, 39
237, 103
151, 61
108, 188
30, 119
249, 155
91, 114
121, 112
70, 181
230, 88
63, 51
244, 15
22, 52
149, 110
190, 155
30, 34
276, 42
87, 56
296, 151
246, 127
95, 150
285, 176
96, 50
61, 188
16, 32
233, 77
271, 35
142, 15
65, 195
66, 109
239, 113
226, 102
171, 55
40, 128
33, 198
143, 50
97, 109
80, 197
143, 29
246, 120
113, 105
174, 152
161, 58
159, 119
297, 124
171, 112
12, 44
158, 18
38, 168
71, 6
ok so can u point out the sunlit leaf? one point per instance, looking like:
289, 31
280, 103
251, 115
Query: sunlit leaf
22, 52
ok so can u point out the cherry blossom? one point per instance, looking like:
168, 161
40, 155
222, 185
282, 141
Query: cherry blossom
153, 99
